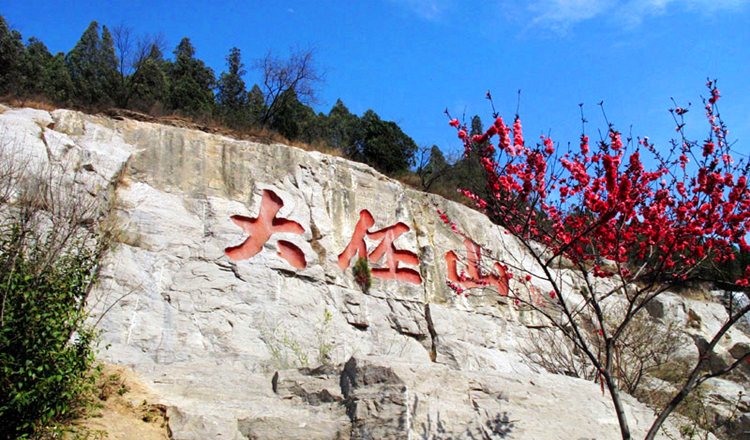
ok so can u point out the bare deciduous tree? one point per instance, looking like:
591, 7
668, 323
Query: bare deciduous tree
132, 52
283, 78
433, 166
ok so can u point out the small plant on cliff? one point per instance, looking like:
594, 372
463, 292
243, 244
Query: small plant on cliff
362, 274
288, 351
597, 217
323, 336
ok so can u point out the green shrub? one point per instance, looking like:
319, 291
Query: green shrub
362, 274
49, 251
45, 346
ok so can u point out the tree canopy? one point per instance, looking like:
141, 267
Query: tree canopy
191, 83
231, 96
93, 68
381, 144
126, 70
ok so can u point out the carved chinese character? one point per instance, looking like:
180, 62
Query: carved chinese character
474, 277
393, 256
260, 230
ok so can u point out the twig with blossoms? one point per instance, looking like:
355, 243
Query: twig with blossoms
600, 209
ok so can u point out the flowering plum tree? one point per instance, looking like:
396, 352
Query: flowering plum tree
629, 233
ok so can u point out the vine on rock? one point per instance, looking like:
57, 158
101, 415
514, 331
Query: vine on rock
630, 230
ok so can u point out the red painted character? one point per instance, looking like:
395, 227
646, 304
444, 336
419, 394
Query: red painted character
393, 256
260, 230
474, 277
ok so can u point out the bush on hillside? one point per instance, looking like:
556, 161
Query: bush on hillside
49, 252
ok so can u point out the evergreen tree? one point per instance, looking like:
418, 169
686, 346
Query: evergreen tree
93, 68
433, 168
107, 64
45, 75
59, 88
256, 105
134, 55
232, 97
35, 68
191, 83
148, 85
437, 159
477, 128
341, 127
297, 74
297, 121
154, 54
290, 116
314, 127
469, 171
382, 144
11, 58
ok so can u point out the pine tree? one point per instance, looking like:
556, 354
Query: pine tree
341, 127
469, 170
314, 128
256, 105
148, 86
297, 74
232, 97
107, 66
297, 121
287, 120
35, 68
59, 88
191, 83
93, 68
382, 144
11, 58
436, 168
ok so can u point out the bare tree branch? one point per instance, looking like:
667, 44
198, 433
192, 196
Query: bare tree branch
132, 52
298, 74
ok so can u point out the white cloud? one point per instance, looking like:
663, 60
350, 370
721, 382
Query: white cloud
427, 9
562, 14
559, 14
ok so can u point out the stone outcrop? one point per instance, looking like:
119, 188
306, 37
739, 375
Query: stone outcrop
231, 294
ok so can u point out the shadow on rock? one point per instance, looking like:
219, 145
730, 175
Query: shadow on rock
483, 428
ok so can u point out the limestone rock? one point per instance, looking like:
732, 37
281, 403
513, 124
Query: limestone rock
739, 349
667, 306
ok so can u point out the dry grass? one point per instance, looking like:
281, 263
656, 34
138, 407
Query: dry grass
412, 180
122, 408
38, 103
317, 146
267, 136
259, 134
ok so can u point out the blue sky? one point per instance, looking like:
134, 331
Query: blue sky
410, 59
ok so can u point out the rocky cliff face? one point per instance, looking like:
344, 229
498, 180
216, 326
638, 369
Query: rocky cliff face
232, 294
